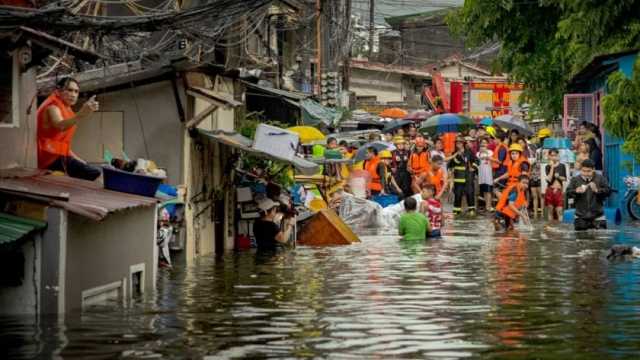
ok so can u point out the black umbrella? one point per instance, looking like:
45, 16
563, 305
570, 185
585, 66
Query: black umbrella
395, 124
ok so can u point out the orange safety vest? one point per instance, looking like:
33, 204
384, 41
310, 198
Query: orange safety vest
496, 156
53, 142
419, 162
372, 167
514, 169
436, 179
503, 204
449, 142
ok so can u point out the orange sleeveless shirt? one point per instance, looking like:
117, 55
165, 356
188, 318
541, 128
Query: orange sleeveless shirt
53, 142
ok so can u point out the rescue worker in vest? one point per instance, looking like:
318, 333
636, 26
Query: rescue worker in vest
56, 126
400, 161
512, 204
437, 176
518, 165
500, 159
463, 167
418, 164
371, 166
387, 182
589, 191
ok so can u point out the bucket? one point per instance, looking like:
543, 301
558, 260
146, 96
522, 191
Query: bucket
123, 181
613, 216
385, 200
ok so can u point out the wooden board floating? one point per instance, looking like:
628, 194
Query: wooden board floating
326, 228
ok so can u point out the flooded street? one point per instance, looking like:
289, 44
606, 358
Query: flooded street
470, 294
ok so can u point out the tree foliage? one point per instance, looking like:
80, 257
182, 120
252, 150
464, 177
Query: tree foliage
545, 42
621, 108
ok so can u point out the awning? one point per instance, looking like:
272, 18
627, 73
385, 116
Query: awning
314, 113
14, 228
243, 144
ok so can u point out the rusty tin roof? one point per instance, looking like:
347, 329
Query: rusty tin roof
81, 197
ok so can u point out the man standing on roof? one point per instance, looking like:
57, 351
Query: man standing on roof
56, 126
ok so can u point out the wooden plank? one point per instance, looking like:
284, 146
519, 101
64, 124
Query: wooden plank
192, 123
216, 97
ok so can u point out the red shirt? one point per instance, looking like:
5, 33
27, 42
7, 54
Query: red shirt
434, 213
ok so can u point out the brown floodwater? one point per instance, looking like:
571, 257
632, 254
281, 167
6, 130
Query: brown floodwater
547, 292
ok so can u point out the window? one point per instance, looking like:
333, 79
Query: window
9, 110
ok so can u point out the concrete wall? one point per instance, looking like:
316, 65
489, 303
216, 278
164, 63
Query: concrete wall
387, 87
100, 253
18, 144
23, 299
204, 163
156, 115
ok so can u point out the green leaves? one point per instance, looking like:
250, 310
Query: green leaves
545, 42
621, 108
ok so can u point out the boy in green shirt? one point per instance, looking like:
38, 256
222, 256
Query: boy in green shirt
413, 225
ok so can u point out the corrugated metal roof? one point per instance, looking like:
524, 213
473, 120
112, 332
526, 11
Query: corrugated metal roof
13, 228
85, 198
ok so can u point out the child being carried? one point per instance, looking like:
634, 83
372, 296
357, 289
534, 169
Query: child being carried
432, 209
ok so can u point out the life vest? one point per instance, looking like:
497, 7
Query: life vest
372, 167
503, 203
436, 179
496, 156
419, 162
449, 142
53, 142
514, 169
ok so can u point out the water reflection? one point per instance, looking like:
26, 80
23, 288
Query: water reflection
473, 293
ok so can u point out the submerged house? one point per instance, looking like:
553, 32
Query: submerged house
588, 87
62, 244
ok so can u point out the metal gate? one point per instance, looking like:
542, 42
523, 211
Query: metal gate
578, 108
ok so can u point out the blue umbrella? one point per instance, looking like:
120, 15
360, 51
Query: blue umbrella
361, 154
486, 121
448, 122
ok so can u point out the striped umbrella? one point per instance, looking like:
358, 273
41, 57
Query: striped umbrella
447, 123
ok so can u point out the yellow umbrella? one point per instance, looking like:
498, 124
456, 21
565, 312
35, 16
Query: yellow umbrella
308, 134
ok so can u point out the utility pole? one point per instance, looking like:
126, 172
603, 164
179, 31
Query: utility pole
372, 25
346, 61
319, 46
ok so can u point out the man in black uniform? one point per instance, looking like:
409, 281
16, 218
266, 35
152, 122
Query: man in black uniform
589, 191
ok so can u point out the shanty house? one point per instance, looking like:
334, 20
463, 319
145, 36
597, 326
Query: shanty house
588, 87
66, 243
82, 244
